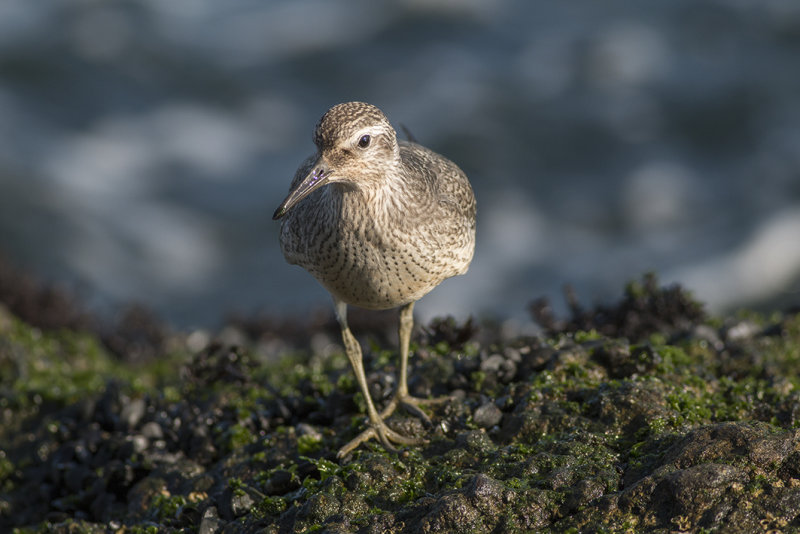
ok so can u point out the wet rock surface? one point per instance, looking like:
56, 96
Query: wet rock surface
645, 416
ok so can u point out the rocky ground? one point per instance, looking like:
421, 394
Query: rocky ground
645, 415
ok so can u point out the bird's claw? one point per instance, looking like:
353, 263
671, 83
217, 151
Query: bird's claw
412, 406
382, 433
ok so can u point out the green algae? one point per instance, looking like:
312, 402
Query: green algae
59, 367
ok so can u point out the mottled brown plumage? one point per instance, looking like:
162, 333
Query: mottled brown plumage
379, 223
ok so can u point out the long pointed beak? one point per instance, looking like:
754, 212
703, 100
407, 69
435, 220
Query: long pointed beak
314, 180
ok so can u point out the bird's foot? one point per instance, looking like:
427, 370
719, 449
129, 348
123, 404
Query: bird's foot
380, 431
412, 405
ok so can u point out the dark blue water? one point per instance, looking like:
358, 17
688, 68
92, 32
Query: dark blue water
145, 144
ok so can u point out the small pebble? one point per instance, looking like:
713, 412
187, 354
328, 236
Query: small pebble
493, 363
139, 443
487, 415
133, 412
241, 504
152, 430
211, 523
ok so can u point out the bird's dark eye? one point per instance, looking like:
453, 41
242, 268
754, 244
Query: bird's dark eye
364, 141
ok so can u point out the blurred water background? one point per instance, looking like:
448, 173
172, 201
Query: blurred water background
145, 144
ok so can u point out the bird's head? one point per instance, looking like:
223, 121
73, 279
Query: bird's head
355, 145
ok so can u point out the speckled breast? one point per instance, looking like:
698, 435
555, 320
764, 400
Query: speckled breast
369, 264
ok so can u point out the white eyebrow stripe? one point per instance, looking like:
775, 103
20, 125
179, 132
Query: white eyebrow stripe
369, 130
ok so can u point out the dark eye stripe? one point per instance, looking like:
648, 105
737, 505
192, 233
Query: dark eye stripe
364, 141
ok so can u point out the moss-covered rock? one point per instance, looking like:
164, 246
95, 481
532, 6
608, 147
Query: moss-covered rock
644, 417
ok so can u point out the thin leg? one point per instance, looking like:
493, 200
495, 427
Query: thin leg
404, 333
377, 428
402, 397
